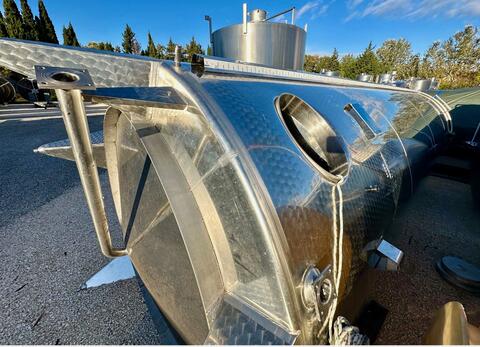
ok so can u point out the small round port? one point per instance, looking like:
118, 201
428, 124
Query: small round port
325, 292
65, 77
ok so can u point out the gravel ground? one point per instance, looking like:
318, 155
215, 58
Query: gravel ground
440, 219
48, 249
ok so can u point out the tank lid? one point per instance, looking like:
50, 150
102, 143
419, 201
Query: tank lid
258, 15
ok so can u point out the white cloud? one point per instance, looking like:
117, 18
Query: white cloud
280, 19
351, 4
413, 8
314, 8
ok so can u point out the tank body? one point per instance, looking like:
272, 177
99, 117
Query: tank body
227, 192
278, 45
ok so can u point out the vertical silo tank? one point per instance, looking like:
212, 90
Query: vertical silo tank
258, 40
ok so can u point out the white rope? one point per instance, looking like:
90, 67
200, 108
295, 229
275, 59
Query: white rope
337, 254
346, 334
341, 332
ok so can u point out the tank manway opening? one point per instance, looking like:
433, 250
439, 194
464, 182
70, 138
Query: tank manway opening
314, 135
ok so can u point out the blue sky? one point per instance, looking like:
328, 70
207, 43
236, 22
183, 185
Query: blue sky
347, 25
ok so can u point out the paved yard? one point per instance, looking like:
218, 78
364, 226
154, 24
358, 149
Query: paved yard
48, 247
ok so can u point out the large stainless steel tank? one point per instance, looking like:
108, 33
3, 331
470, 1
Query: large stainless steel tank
262, 42
233, 182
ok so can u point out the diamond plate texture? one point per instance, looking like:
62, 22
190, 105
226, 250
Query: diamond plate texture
96, 138
232, 327
106, 69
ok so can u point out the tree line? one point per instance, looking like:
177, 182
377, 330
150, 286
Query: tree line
23, 25
455, 62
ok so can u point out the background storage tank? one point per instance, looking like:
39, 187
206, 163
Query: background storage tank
260, 41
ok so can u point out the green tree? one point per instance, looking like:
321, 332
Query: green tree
102, 46
209, 50
130, 44
433, 62
151, 48
3, 29
334, 64
170, 49
310, 63
412, 68
462, 58
161, 51
13, 20
316, 63
29, 27
394, 55
45, 26
349, 67
368, 62
69, 36
193, 47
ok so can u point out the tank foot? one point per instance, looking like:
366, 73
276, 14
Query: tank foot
118, 269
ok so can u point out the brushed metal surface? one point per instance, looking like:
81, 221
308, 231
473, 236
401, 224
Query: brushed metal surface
273, 44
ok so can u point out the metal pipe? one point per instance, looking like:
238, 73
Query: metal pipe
245, 14
293, 15
281, 13
178, 56
209, 20
76, 125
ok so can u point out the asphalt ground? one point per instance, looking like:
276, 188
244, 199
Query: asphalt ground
48, 247
440, 219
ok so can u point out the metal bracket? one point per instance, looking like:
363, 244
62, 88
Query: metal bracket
49, 77
380, 254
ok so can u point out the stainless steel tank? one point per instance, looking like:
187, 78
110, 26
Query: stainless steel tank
385, 78
260, 41
422, 84
364, 77
246, 194
330, 73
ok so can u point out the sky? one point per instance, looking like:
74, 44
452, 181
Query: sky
346, 25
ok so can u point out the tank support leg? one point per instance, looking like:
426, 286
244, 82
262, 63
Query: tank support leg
68, 85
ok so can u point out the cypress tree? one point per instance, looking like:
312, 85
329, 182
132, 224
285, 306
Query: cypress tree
3, 29
130, 44
75, 42
13, 20
47, 30
151, 49
28, 22
69, 36
67, 39
128, 37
